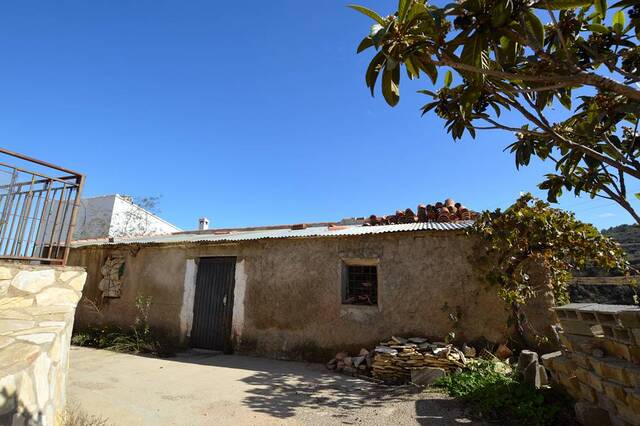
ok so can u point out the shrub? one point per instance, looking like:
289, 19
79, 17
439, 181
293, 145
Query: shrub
501, 396
139, 339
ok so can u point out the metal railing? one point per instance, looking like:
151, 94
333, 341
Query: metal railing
37, 209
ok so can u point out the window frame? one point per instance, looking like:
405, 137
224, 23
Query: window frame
346, 263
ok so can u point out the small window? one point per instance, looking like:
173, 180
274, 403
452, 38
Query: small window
360, 285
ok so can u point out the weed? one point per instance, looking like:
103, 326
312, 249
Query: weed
73, 415
496, 395
139, 339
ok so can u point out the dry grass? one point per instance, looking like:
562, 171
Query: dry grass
73, 415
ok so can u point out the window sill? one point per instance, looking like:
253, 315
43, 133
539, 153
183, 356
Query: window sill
360, 313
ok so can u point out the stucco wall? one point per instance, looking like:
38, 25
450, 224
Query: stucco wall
37, 305
288, 291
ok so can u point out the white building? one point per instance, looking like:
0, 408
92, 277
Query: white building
117, 216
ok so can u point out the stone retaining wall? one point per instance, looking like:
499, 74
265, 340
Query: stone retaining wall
600, 362
37, 307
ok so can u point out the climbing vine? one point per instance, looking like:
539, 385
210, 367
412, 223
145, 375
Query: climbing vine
530, 234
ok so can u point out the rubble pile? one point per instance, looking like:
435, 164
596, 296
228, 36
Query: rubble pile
401, 360
447, 211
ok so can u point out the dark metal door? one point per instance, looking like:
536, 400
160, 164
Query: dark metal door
213, 303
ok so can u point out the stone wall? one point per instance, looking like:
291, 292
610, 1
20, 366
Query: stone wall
600, 362
288, 292
37, 307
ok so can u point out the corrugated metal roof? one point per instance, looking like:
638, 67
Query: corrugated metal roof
318, 231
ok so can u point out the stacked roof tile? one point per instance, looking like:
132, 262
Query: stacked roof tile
449, 211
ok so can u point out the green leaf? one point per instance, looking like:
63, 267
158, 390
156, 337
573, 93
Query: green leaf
500, 14
598, 28
637, 194
403, 9
471, 51
373, 70
534, 26
364, 44
391, 85
370, 13
448, 78
601, 7
413, 71
429, 69
562, 4
618, 21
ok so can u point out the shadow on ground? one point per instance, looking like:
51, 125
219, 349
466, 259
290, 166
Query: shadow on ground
282, 388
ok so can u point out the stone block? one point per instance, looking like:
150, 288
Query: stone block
57, 296
426, 376
34, 281
591, 415
629, 318
581, 328
6, 273
616, 371
78, 282
626, 413
547, 359
4, 287
616, 392
588, 393
564, 365
41, 375
15, 302
8, 326
589, 378
633, 400
581, 360
525, 358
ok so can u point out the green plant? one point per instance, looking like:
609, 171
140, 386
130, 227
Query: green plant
498, 55
139, 339
529, 235
498, 395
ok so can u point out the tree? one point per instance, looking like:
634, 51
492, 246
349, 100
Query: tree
529, 235
498, 55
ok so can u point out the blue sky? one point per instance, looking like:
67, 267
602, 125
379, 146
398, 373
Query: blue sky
248, 113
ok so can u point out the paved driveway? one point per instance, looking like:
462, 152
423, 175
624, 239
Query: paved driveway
203, 389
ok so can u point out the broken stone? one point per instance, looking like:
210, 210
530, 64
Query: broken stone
468, 351
442, 352
547, 359
357, 360
503, 352
417, 340
386, 350
400, 340
532, 374
597, 352
331, 365
363, 352
526, 357
347, 361
349, 370
590, 415
544, 377
426, 376
341, 355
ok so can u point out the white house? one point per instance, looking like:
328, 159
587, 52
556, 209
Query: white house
117, 216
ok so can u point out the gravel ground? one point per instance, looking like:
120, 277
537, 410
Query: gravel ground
197, 388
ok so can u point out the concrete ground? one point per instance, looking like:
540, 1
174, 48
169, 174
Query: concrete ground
206, 389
